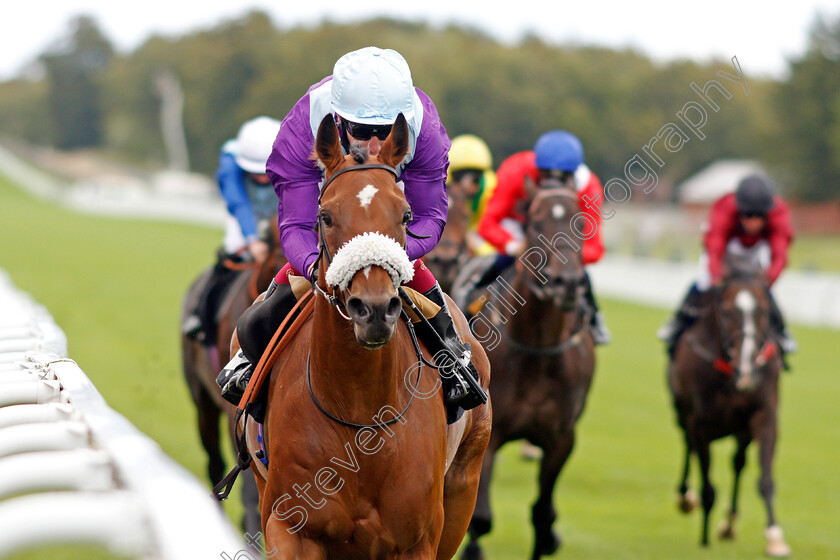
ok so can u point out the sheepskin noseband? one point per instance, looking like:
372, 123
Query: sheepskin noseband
366, 250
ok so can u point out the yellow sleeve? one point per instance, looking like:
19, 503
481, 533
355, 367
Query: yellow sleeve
489, 186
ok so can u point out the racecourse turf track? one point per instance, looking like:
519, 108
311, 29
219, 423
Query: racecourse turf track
115, 286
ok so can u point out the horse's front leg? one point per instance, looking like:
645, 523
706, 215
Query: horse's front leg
687, 498
543, 514
283, 543
707, 492
482, 518
461, 485
763, 427
726, 531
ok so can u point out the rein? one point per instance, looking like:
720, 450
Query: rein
722, 361
574, 340
577, 335
323, 250
335, 301
400, 416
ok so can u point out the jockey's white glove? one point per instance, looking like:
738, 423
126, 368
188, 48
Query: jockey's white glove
258, 250
515, 247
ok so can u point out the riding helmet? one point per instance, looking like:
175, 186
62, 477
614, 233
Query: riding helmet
560, 150
253, 143
372, 86
469, 152
754, 195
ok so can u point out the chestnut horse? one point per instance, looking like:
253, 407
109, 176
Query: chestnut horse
724, 381
361, 462
451, 253
202, 363
544, 360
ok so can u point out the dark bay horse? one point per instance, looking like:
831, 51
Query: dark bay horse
361, 462
544, 361
452, 252
724, 381
202, 363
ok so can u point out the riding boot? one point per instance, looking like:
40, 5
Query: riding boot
780, 331
254, 330
598, 326
501, 264
457, 393
685, 316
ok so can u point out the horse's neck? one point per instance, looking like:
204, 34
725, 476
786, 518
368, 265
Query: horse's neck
351, 379
538, 322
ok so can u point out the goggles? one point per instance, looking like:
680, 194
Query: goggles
366, 131
473, 175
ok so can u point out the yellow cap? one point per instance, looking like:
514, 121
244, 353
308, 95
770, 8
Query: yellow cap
469, 152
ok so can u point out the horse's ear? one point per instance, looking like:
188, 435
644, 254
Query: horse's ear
327, 144
531, 188
395, 147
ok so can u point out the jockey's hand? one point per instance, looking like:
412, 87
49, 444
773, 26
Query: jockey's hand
258, 250
515, 247
474, 241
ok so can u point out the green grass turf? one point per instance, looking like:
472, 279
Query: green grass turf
115, 286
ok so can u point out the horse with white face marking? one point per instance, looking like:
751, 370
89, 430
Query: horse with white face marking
724, 378
360, 460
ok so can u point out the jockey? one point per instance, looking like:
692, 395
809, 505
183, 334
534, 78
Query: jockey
471, 171
750, 224
368, 89
250, 200
557, 154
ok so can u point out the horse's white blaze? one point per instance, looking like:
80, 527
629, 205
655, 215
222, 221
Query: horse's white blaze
558, 211
745, 301
366, 195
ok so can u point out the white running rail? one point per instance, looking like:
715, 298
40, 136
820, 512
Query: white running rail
74, 471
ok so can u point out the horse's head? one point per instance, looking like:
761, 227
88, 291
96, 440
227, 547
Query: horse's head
559, 275
451, 253
362, 221
742, 315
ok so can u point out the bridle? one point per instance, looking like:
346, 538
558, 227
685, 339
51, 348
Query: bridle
539, 198
576, 337
324, 251
335, 301
722, 361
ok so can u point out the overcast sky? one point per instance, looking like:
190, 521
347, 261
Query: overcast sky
762, 34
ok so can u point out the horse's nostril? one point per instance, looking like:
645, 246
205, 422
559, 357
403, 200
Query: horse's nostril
357, 309
394, 307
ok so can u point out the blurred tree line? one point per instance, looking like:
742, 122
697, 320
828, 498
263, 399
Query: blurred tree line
614, 100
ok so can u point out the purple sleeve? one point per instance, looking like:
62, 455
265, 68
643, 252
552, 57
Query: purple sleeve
295, 178
425, 181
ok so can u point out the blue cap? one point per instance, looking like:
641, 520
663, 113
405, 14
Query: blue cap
559, 149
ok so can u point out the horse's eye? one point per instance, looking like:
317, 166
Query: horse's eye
407, 217
326, 218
